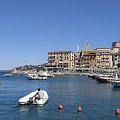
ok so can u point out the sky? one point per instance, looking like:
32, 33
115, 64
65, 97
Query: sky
29, 29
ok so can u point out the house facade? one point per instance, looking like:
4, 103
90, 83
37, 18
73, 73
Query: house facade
61, 59
104, 58
86, 58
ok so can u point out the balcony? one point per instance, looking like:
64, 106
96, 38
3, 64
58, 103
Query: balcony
51, 58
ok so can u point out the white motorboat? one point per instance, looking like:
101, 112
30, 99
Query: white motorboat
29, 99
104, 78
7, 75
45, 74
36, 77
116, 81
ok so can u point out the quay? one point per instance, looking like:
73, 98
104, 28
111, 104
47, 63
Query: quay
61, 71
85, 71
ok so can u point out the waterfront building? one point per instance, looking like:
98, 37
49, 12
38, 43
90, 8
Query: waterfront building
61, 59
115, 47
86, 58
104, 58
78, 58
116, 60
116, 54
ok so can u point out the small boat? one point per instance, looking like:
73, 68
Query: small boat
93, 76
29, 99
104, 78
45, 74
36, 77
115, 82
7, 75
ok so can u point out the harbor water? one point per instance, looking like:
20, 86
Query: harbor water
98, 101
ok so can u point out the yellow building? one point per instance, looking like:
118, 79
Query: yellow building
61, 59
104, 58
86, 58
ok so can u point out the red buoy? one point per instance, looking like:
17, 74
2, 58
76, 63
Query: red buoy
117, 111
79, 109
60, 107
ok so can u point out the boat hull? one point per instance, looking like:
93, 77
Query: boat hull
26, 99
115, 84
37, 78
102, 80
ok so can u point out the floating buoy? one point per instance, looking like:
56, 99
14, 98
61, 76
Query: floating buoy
79, 109
117, 111
60, 107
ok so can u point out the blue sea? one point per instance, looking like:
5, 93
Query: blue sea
98, 101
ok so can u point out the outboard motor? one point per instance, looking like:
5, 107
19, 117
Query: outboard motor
30, 101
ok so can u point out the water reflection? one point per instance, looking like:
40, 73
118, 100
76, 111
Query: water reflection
117, 116
37, 111
40, 111
23, 108
115, 89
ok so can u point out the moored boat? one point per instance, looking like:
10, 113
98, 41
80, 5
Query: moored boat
7, 75
93, 76
104, 78
45, 74
36, 77
115, 82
